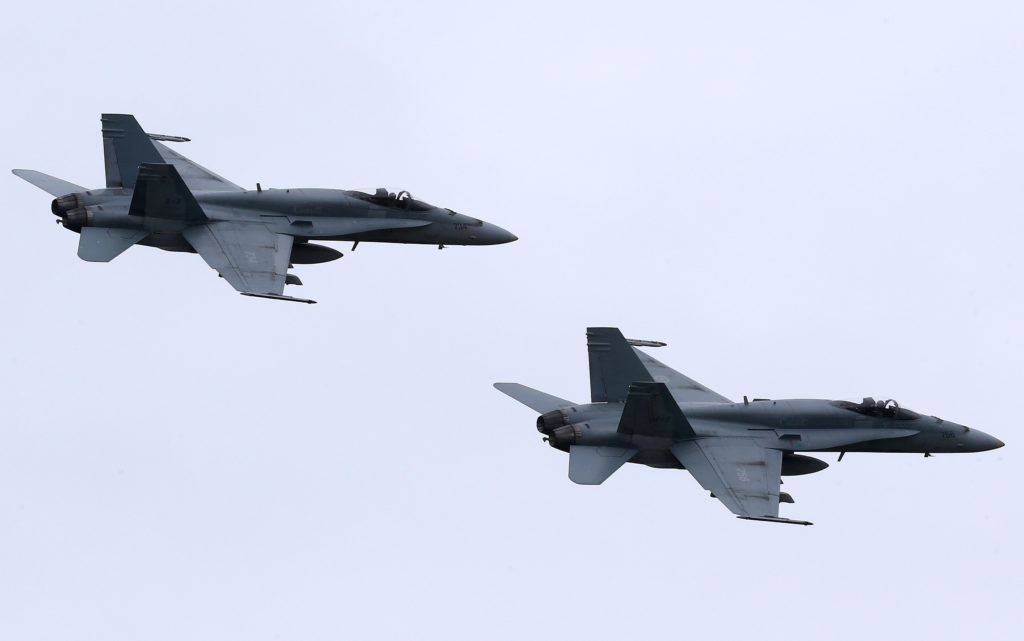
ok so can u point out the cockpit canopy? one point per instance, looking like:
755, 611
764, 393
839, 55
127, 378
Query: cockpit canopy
878, 409
403, 200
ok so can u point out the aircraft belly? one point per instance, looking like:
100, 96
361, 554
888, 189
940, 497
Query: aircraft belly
657, 458
168, 241
906, 444
418, 236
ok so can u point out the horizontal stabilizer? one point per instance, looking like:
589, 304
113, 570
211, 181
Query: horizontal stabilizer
104, 244
49, 184
534, 399
161, 193
651, 411
591, 465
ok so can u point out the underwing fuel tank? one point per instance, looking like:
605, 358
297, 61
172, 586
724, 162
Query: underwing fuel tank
310, 253
798, 464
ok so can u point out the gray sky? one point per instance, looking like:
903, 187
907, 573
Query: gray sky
802, 201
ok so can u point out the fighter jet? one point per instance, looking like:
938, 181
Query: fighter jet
641, 411
157, 197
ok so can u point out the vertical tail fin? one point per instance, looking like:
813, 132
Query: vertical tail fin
125, 147
613, 365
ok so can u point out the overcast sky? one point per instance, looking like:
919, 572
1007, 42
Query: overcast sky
802, 201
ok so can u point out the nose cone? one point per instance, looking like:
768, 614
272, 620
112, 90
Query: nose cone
978, 441
489, 234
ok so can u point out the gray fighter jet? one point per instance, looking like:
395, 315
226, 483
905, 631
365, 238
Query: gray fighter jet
157, 197
644, 412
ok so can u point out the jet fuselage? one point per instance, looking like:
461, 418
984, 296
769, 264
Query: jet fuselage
306, 214
793, 425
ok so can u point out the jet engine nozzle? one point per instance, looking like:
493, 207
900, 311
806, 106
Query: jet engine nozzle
550, 420
562, 437
72, 212
62, 205
77, 218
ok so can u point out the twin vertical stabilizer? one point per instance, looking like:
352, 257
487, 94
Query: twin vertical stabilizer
125, 147
613, 365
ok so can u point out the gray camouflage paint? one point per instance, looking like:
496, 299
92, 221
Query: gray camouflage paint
157, 197
644, 412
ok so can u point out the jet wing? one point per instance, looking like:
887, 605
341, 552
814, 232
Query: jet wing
684, 389
248, 255
197, 178
741, 474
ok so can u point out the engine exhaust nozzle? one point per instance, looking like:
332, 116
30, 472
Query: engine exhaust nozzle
548, 421
62, 205
77, 218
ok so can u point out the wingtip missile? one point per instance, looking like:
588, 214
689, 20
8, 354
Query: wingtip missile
166, 138
279, 297
774, 519
636, 342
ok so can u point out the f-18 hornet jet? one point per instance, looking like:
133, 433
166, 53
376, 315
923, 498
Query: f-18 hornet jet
157, 197
641, 411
